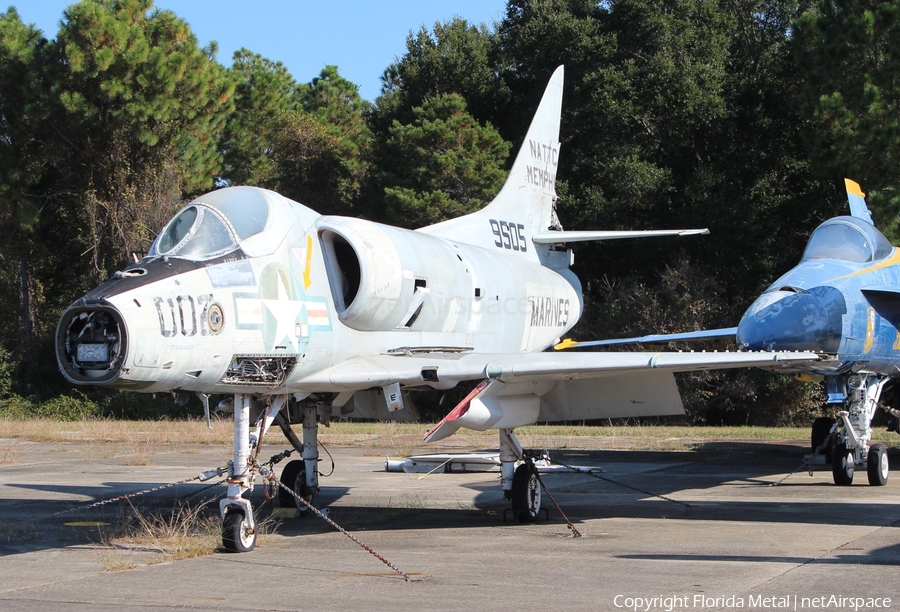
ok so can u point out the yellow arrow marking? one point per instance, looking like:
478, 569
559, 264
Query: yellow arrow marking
307, 279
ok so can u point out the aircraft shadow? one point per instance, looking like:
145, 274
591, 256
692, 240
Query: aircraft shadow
887, 555
729, 485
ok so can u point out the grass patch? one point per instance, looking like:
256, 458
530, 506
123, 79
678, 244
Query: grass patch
138, 441
10, 451
183, 532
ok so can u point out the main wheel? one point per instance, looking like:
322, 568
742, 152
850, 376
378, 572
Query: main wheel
526, 493
237, 535
842, 465
820, 429
877, 465
293, 476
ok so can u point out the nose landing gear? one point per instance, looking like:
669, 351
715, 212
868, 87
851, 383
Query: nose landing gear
844, 442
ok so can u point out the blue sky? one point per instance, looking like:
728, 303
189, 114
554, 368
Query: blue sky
360, 37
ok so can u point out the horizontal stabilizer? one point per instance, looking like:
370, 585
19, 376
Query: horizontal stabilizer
725, 333
586, 236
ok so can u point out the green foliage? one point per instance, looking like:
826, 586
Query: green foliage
61, 408
442, 165
264, 93
749, 397
455, 57
738, 115
308, 142
849, 53
138, 107
92, 404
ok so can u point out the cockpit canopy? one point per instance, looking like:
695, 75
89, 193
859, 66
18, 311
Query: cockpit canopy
849, 239
222, 221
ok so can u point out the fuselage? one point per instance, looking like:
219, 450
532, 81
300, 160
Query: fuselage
245, 290
841, 299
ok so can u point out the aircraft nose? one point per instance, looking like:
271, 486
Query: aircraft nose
786, 321
91, 343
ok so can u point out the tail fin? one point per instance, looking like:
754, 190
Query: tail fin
524, 206
857, 200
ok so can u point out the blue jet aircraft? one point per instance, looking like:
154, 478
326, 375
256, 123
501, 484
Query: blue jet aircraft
842, 300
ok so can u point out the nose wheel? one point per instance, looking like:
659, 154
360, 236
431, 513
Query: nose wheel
848, 437
238, 534
877, 465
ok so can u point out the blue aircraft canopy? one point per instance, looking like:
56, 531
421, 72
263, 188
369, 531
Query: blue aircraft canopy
848, 239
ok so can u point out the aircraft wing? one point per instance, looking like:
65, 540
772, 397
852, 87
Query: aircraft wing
525, 388
445, 370
706, 334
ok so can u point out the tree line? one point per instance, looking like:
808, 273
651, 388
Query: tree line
742, 116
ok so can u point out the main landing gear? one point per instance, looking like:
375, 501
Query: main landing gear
521, 485
239, 529
844, 442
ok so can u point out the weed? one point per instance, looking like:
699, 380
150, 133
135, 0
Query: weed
9, 452
184, 532
114, 559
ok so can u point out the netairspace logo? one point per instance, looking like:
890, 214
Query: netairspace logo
749, 602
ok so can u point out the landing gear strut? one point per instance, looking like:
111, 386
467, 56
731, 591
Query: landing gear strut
521, 485
238, 522
845, 441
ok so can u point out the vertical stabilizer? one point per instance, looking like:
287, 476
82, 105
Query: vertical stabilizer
524, 206
857, 200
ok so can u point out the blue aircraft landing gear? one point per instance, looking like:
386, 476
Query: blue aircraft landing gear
850, 435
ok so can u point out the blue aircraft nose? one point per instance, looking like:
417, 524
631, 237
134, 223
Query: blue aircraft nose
788, 321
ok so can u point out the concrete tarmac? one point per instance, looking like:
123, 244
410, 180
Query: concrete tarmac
728, 541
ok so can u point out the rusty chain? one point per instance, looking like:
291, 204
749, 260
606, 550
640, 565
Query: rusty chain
611, 481
267, 473
574, 530
201, 477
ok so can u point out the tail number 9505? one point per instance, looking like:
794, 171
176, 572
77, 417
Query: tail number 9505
509, 235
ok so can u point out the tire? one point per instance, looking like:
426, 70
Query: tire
820, 429
293, 476
842, 466
236, 534
877, 465
526, 493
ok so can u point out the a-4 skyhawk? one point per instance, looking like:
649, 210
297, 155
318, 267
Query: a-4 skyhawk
302, 317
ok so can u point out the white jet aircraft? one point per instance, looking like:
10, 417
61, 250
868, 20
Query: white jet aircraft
301, 317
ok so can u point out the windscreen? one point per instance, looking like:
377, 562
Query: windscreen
197, 232
839, 241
